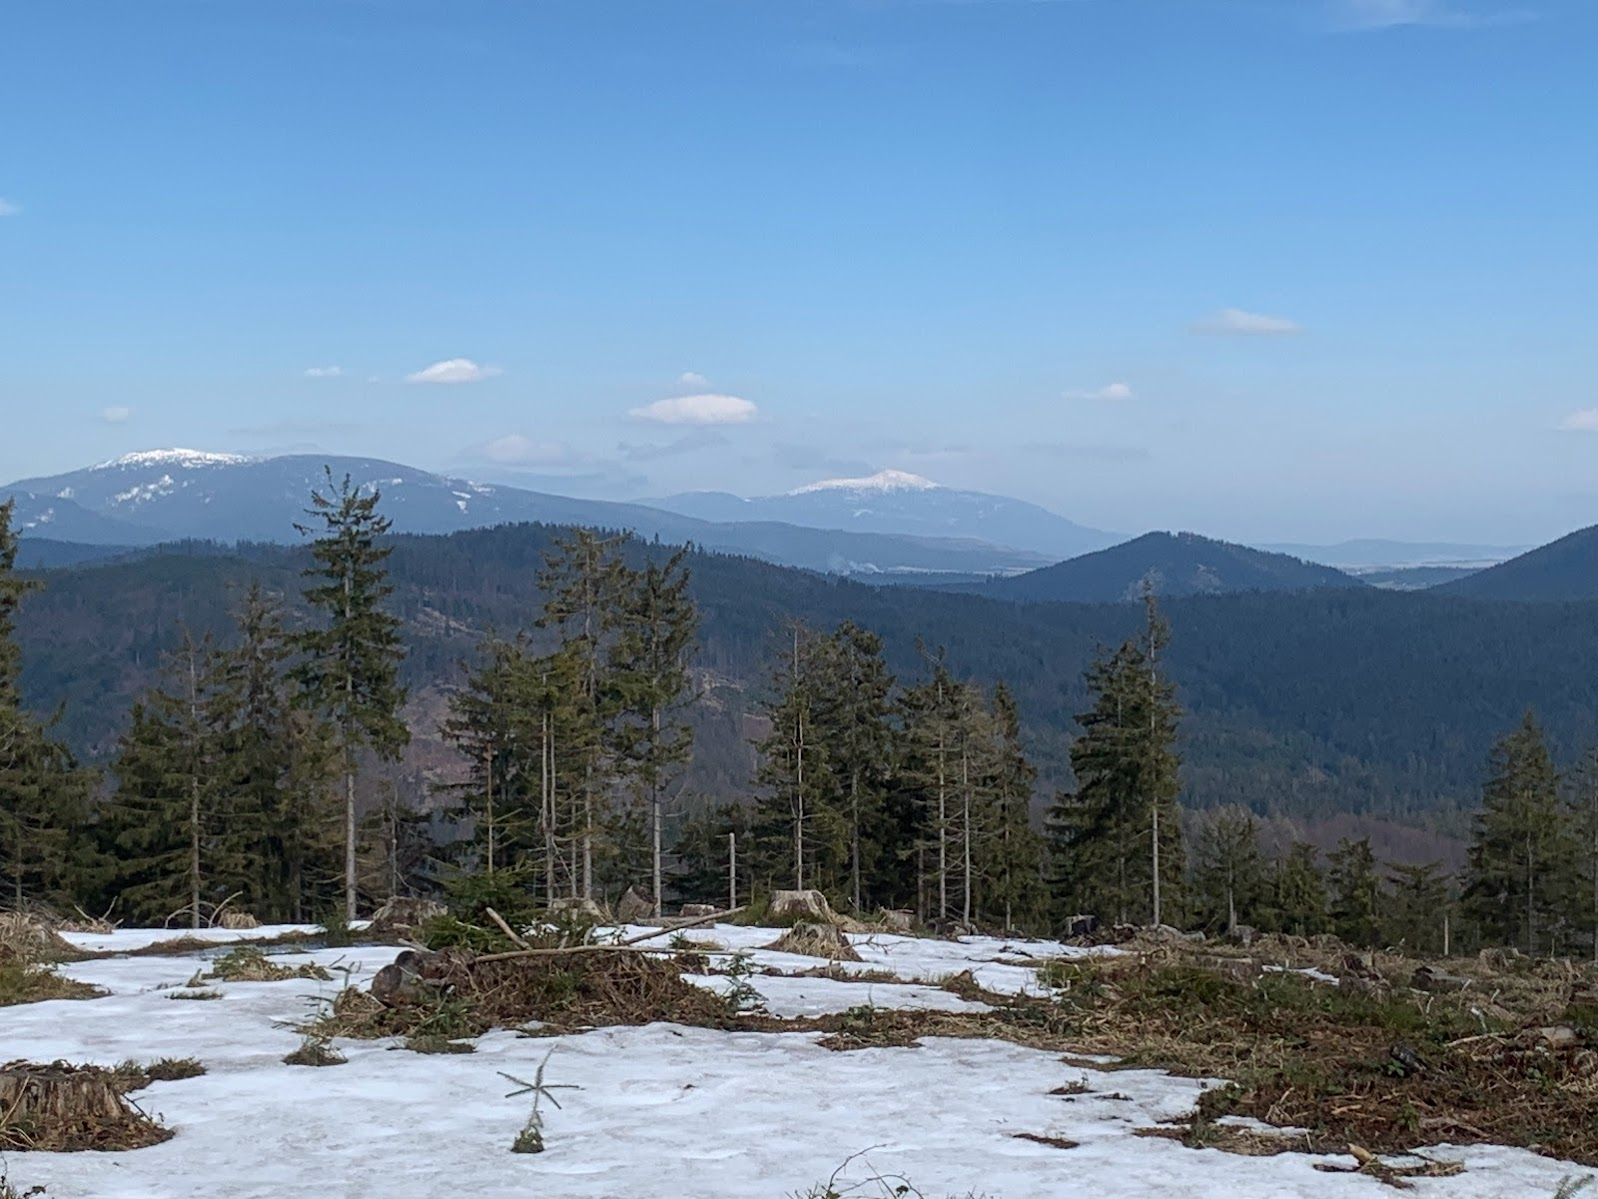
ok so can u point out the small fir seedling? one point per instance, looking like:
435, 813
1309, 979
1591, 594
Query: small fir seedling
315, 1051
531, 1138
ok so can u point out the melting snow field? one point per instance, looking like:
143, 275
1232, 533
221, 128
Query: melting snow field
660, 1111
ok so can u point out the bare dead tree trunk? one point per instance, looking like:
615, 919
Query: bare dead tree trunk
732, 871
655, 819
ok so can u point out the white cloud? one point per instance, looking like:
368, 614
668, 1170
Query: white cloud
698, 410
1234, 322
516, 450
7, 208
1392, 14
453, 370
1112, 393
116, 415
324, 372
1583, 420
693, 379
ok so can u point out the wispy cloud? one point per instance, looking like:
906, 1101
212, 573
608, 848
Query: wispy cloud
453, 370
1355, 16
1583, 420
117, 414
705, 409
7, 208
692, 379
1235, 322
1111, 393
688, 443
515, 449
324, 372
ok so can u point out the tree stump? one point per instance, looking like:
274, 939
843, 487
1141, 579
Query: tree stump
402, 914
633, 907
62, 1108
693, 911
802, 903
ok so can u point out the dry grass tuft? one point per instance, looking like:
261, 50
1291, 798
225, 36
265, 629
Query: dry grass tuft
25, 937
62, 1108
131, 1076
25, 983
248, 964
315, 1051
816, 941
1039, 1139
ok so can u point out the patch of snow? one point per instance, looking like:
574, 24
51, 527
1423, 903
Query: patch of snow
187, 459
144, 492
882, 481
659, 1110
66, 493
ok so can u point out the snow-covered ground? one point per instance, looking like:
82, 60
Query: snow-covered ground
661, 1110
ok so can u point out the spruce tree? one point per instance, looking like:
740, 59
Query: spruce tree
1116, 840
1011, 859
1523, 861
649, 660
852, 719
1228, 875
798, 835
584, 580
1355, 892
933, 716
1298, 892
44, 795
1418, 909
165, 821
1584, 823
350, 670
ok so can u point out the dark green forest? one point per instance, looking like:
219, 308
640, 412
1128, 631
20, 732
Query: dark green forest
1297, 704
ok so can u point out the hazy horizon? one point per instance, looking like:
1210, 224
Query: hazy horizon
1299, 271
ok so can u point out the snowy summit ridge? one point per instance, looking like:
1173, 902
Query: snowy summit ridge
188, 459
882, 481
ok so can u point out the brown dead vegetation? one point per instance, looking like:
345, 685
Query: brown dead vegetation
810, 939
60, 1108
249, 964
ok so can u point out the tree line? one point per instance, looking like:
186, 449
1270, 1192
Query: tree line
261, 772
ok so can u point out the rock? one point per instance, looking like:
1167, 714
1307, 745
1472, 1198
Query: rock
1242, 969
404, 913
1559, 1036
1080, 926
633, 907
576, 906
802, 903
239, 920
1243, 934
696, 911
1428, 978
897, 920
1405, 1060
1501, 959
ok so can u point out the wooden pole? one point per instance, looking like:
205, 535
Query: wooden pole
732, 870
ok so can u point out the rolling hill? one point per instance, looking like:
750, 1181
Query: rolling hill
1174, 564
1563, 570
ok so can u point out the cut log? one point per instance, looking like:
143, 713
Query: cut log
691, 911
1428, 978
575, 906
239, 920
403, 914
897, 920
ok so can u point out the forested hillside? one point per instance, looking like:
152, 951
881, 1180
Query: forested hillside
1310, 705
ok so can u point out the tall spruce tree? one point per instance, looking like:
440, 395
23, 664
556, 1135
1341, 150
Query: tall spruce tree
1116, 840
1355, 892
852, 719
799, 835
44, 795
166, 822
1011, 859
649, 660
584, 582
1523, 862
349, 673
933, 717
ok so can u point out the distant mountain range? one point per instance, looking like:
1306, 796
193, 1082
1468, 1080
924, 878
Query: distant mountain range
158, 496
1174, 564
1368, 555
905, 504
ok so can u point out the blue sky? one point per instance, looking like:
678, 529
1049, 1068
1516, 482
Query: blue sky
1266, 269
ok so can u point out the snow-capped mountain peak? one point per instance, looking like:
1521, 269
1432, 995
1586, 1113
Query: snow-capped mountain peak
186, 459
882, 481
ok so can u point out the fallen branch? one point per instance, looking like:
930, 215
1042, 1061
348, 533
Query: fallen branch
627, 944
505, 928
